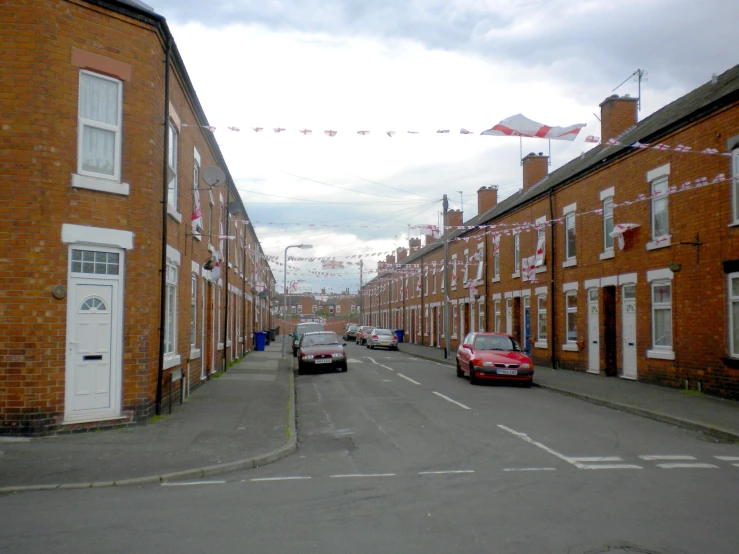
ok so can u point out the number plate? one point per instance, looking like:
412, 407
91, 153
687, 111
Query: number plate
507, 372
326, 361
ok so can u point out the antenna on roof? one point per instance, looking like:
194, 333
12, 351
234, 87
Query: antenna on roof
638, 75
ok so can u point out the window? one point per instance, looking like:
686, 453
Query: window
338, 308
541, 319
300, 308
734, 315
497, 316
541, 237
496, 257
516, 255
466, 267
735, 184
607, 223
315, 308
570, 236
330, 309
353, 308
426, 285
357, 309
294, 309
99, 126
480, 261
481, 315
454, 272
571, 315
98, 263
454, 320
172, 165
170, 321
193, 310
662, 315
660, 221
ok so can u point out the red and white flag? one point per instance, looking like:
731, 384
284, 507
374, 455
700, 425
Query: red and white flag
330, 133
443, 131
591, 138
363, 132
258, 129
278, 129
464, 131
306, 131
521, 126
236, 129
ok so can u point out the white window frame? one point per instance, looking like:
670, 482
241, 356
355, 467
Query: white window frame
330, 309
315, 308
294, 310
300, 308
480, 261
661, 351
496, 259
454, 272
659, 176
570, 312
733, 314
338, 308
735, 185
516, 255
426, 283
542, 338
171, 358
569, 213
466, 267
481, 314
193, 310
608, 221
90, 179
496, 312
353, 308
454, 321
656, 198
173, 159
541, 234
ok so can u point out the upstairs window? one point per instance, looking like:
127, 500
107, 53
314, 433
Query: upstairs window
607, 223
516, 255
570, 236
172, 146
99, 126
735, 183
480, 261
734, 315
660, 220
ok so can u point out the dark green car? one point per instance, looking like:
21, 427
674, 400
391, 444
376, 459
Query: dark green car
350, 333
301, 328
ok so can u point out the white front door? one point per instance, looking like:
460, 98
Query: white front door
509, 316
593, 332
629, 332
93, 365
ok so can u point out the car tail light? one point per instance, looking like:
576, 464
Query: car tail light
374, 336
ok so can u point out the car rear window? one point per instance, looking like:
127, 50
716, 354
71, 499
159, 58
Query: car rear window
309, 328
383, 332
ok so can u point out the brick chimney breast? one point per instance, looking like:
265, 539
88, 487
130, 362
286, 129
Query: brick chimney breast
401, 254
390, 259
617, 114
453, 218
487, 198
414, 243
535, 168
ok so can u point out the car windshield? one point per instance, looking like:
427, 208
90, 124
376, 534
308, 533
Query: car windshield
318, 339
507, 344
301, 329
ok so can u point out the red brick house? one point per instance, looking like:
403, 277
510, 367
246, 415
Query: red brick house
623, 262
107, 156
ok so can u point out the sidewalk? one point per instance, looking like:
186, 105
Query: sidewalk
713, 416
244, 418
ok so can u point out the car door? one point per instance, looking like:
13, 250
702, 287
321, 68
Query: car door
464, 354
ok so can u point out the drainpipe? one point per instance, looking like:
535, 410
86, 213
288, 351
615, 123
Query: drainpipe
165, 200
422, 318
226, 328
553, 326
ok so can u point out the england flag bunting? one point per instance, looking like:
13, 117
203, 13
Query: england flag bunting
520, 126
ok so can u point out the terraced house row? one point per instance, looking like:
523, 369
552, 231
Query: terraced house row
132, 274
624, 262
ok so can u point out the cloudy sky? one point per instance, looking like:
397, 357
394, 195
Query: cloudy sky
417, 65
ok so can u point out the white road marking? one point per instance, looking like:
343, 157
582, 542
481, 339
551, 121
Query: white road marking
530, 469
355, 360
450, 471
452, 401
346, 475
289, 478
408, 379
728, 458
188, 483
737, 465
612, 466
372, 360
652, 457
386, 367
525, 437
591, 459
676, 466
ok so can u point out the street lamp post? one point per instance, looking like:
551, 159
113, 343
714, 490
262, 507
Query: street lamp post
284, 332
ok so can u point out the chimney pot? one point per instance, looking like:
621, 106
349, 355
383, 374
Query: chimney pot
617, 115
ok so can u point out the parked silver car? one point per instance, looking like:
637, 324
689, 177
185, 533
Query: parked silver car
382, 337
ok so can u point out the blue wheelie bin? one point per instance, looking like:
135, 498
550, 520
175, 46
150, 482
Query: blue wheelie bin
260, 339
399, 333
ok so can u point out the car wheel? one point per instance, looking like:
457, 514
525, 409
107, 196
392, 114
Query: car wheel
528, 383
372, 347
344, 368
301, 371
473, 377
460, 373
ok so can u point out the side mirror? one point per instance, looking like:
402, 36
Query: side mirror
468, 347
290, 335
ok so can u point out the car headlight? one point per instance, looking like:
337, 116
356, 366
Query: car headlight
337, 355
487, 363
308, 357
525, 366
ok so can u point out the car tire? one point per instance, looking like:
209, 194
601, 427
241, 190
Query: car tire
527, 384
473, 378
344, 368
372, 347
460, 373
301, 371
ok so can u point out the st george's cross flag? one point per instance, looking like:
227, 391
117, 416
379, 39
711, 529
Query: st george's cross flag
521, 126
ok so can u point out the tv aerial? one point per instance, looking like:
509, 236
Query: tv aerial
639, 75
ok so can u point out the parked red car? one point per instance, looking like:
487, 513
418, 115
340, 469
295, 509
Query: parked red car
321, 350
495, 357
363, 333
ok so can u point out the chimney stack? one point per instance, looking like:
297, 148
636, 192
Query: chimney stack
535, 168
453, 219
390, 259
617, 113
414, 244
487, 197
401, 254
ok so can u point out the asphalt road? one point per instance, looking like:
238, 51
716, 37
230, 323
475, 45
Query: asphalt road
399, 455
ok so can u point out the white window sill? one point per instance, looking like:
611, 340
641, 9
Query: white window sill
570, 347
228, 343
541, 344
570, 263
196, 235
662, 243
171, 360
102, 185
495, 279
220, 346
661, 354
516, 275
194, 353
241, 339
541, 269
608, 255
173, 213
734, 224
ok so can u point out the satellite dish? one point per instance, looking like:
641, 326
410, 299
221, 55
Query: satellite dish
213, 175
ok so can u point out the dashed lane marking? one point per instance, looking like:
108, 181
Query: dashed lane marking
189, 483
653, 457
691, 466
408, 379
386, 367
445, 472
349, 475
728, 458
287, 478
591, 459
530, 469
451, 400
612, 466
355, 361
